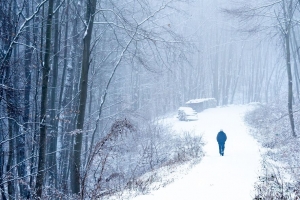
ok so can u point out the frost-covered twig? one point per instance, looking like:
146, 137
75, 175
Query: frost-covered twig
103, 97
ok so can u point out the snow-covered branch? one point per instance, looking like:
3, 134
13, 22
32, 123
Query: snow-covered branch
19, 32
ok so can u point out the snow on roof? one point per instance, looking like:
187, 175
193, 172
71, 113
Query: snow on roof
185, 108
199, 100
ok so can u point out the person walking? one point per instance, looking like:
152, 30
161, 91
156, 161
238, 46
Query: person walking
221, 138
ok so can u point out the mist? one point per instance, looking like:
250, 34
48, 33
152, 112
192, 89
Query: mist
87, 88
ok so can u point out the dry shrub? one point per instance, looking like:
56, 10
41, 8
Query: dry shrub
127, 153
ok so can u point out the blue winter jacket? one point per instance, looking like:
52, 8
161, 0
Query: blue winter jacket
221, 137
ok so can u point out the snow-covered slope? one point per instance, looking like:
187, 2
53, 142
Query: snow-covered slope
230, 177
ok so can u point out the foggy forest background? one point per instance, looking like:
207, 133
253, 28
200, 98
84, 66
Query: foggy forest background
82, 82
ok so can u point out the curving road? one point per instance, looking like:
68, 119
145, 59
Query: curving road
230, 177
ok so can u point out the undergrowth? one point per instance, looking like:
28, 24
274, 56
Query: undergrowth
280, 178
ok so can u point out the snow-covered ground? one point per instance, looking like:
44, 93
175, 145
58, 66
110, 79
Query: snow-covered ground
230, 177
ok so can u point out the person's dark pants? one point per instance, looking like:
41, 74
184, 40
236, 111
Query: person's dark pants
221, 148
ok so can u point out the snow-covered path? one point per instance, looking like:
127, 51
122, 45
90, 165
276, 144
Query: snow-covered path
230, 177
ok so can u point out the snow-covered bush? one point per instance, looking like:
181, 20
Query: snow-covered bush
188, 147
273, 184
121, 158
281, 166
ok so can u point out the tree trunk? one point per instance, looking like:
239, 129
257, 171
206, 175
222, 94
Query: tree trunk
86, 147
215, 74
288, 65
43, 127
53, 120
34, 110
7, 31
24, 192
10, 106
2, 190
296, 68
75, 168
290, 82
62, 96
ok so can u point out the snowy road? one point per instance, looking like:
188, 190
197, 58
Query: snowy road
230, 177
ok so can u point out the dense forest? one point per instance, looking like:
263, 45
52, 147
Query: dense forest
82, 82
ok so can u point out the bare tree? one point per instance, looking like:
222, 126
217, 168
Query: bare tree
75, 167
279, 25
288, 11
43, 114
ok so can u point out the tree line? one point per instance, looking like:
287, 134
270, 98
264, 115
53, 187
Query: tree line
70, 68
